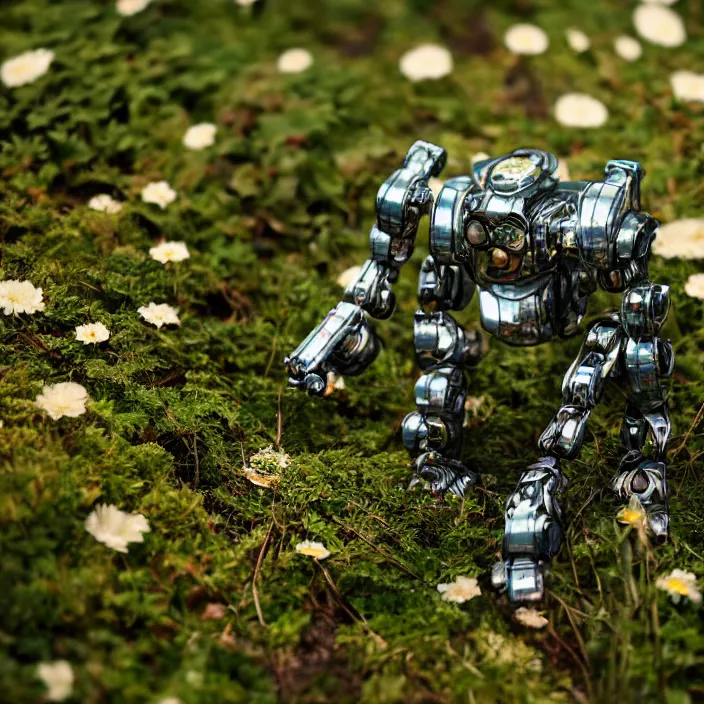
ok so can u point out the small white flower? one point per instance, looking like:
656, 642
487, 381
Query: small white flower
265, 467
426, 62
694, 286
160, 314
687, 85
530, 617
461, 590
20, 297
158, 192
115, 528
26, 68
524, 38
580, 110
127, 8
313, 549
659, 25
105, 204
200, 136
58, 678
170, 700
681, 238
578, 40
294, 61
480, 156
349, 276
64, 399
245, 3
680, 584
628, 48
169, 252
92, 333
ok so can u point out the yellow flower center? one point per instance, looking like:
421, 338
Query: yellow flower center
311, 552
677, 586
630, 516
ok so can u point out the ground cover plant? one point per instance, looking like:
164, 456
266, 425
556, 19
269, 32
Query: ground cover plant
210, 596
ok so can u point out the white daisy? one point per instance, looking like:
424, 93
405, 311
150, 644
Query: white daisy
26, 68
681, 238
169, 252
58, 678
628, 48
314, 549
461, 590
200, 136
349, 276
160, 314
680, 584
426, 62
578, 41
127, 8
115, 528
687, 85
294, 61
530, 617
659, 25
64, 399
105, 204
694, 286
92, 333
524, 38
158, 192
580, 110
20, 297
265, 467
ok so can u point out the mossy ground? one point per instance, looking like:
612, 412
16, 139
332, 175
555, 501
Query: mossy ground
272, 214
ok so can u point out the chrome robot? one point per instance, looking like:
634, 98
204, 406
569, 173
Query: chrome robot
533, 249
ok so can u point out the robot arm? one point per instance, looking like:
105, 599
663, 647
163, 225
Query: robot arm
345, 342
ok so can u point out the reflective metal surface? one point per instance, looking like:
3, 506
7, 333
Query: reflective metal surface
536, 249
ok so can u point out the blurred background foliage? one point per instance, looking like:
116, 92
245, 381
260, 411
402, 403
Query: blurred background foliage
272, 214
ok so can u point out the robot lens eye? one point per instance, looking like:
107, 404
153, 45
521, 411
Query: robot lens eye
476, 234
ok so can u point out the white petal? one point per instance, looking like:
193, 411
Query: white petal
426, 62
524, 38
659, 25
200, 136
580, 110
127, 8
25, 68
294, 61
578, 40
628, 48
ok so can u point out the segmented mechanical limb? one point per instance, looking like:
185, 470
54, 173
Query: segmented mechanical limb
647, 361
345, 341
534, 521
433, 433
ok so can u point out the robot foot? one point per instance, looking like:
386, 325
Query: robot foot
646, 481
442, 475
522, 577
534, 531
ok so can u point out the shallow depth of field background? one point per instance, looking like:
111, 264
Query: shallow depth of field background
272, 214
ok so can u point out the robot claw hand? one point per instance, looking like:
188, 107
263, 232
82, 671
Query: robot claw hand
344, 343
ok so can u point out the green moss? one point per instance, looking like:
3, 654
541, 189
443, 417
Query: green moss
272, 213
